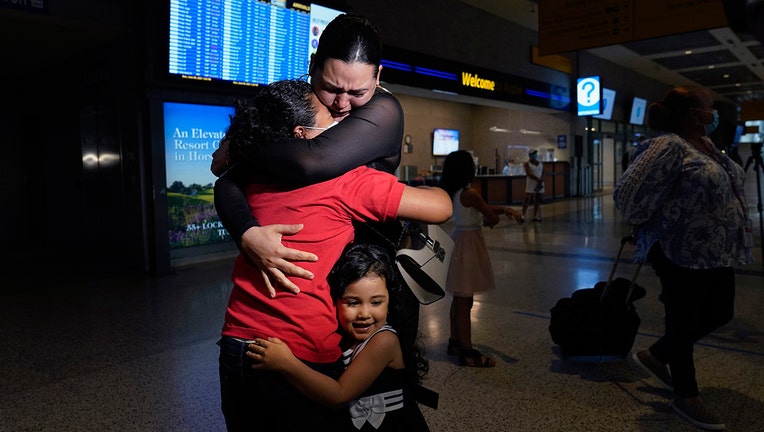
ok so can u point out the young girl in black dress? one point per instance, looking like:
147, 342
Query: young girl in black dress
384, 366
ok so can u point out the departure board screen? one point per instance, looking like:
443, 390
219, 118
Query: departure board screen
246, 42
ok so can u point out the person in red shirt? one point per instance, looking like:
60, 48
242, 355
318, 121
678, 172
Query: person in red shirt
305, 320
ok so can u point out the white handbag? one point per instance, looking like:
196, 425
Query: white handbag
423, 258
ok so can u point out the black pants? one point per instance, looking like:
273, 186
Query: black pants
696, 302
259, 400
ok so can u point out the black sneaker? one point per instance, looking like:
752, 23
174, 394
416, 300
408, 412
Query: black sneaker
697, 413
656, 369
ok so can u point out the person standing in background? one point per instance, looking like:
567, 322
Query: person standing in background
505, 170
470, 270
534, 184
686, 201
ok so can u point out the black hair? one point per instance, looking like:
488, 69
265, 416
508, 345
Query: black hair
458, 171
667, 114
269, 116
362, 259
349, 38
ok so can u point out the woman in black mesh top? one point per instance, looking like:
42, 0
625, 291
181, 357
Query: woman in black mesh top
344, 73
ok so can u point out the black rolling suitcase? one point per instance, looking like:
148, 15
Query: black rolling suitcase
600, 323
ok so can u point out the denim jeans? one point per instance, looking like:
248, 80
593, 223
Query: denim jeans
260, 400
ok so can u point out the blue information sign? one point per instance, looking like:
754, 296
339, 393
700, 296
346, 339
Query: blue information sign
588, 94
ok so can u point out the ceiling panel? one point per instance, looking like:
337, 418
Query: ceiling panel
721, 77
678, 43
697, 60
757, 51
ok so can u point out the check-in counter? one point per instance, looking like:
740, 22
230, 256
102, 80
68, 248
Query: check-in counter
505, 189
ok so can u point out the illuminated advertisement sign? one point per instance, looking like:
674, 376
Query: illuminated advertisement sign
192, 132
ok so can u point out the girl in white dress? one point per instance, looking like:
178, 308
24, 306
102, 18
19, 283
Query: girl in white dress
470, 270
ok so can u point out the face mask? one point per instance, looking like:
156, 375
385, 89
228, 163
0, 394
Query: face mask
334, 123
714, 123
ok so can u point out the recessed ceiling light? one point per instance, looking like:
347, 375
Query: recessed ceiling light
688, 52
711, 66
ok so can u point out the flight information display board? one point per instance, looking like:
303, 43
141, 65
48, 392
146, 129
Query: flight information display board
243, 41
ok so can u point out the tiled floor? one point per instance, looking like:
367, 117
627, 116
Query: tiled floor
140, 355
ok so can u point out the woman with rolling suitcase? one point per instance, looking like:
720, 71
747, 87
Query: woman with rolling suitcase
687, 203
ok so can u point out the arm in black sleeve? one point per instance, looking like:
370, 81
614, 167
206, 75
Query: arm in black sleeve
370, 135
232, 206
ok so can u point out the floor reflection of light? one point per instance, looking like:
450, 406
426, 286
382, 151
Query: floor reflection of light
586, 278
476, 310
437, 326
433, 325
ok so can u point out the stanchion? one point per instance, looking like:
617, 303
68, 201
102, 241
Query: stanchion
758, 165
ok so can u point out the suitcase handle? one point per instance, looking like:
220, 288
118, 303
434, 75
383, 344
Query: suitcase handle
624, 240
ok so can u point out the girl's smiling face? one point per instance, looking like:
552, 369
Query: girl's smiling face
362, 310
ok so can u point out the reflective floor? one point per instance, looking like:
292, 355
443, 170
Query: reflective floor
140, 355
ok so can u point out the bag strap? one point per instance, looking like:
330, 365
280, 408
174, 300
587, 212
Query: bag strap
413, 229
395, 246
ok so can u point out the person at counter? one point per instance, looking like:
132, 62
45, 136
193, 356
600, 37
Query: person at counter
534, 184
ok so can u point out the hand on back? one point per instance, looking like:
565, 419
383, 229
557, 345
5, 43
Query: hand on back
263, 247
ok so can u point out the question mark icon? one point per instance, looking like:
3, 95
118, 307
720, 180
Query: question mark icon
588, 89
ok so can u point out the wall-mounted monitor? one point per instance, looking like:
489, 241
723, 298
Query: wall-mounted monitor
192, 132
638, 107
444, 141
243, 42
589, 96
739, 129
753, 132
608, 99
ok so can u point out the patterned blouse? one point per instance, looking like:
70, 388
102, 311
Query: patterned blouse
691, 203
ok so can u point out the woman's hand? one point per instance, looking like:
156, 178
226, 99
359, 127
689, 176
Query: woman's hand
263, 246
